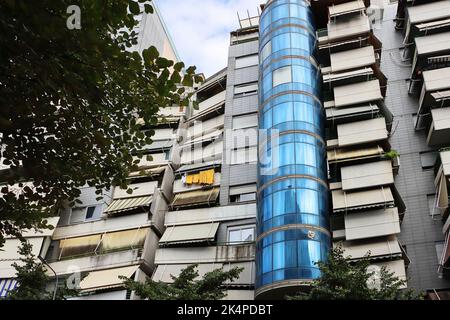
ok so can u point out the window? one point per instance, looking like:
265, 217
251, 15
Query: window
246, 89
245, 155
428, 159
90, 212
243, 193
281, 75
247, 61
245, 121
245, 197
266, 51
241, 234
80, 214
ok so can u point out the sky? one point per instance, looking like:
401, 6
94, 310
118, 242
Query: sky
201, 29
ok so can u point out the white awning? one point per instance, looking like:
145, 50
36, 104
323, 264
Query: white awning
429, 11
377, 247
11, 246
348, 28
445, 159
352, 59
362, 132
372, 223
190, 233
334, 113
345, 8
367, 175
247, 188
437, 79
441, 118
378, 197
433, 43
395, 266
337, 76
105, 279
357, 93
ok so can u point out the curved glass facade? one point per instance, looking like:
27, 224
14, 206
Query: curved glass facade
292, 191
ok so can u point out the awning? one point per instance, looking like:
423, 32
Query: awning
196, 166
437, 79
121, 205
105, 279
197, 197
445, 159
159, 144
190, 233
6, 285
441, 118
396, 266
332, 77
371, 223
345, 8
444, 259
362, 132
442, 194
79, 246
429, 11
9, 250
346, 201
378, 247
433, 43
248, 188
357, 93
147, 172
367, 175
348, 28
352, 59
337, 113
126, 239
341, 155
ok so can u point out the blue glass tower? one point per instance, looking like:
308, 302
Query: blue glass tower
293, 228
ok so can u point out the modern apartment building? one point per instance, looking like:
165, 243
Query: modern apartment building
329, 126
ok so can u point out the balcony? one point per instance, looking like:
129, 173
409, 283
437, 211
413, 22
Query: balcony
210, 105
210, 254
442, 184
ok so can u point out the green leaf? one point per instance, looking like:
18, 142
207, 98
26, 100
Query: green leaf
134, 7
148, 8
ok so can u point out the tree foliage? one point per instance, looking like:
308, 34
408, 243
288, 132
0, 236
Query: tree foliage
342, 279
185, 286
32, 280
69, 102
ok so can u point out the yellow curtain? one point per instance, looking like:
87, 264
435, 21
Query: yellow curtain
203, 177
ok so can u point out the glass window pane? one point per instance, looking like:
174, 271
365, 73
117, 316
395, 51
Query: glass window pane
279, 255
90, 212
282, 75
247, 234
234, 235
266, 50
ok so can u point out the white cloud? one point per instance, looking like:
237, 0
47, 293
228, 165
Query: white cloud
201, 29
